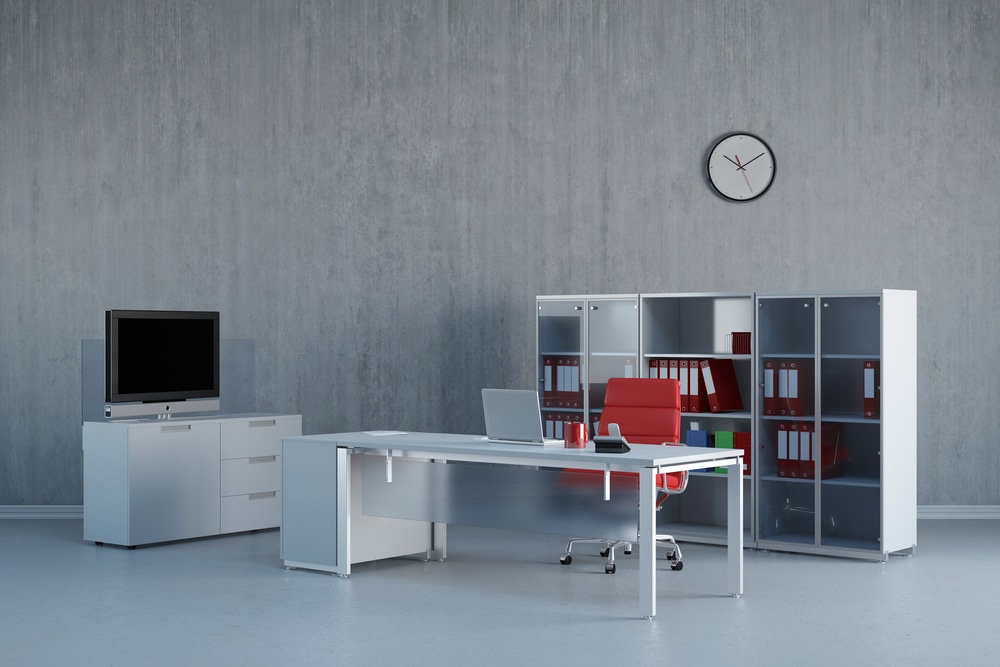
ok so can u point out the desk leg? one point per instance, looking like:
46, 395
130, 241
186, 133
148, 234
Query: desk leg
735, 522
647, 542
343, 519
439, 541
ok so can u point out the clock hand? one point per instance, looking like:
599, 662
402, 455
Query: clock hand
731, 160
748, 162
738, 164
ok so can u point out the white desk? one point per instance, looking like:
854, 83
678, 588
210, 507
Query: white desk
411, 483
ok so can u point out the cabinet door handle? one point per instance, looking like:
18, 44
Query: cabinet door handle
263, 459
262, 422
174, 428
262, 496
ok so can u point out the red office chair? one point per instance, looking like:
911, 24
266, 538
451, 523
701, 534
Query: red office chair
647, 411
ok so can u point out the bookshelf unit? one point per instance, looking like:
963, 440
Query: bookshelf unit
582, 341
853, 406
679, 329
838, 475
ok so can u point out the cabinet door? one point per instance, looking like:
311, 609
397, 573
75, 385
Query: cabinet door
847, 454
786, 331
173, 482
612, 347
561, 362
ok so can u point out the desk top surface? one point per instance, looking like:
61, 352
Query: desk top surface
478, 448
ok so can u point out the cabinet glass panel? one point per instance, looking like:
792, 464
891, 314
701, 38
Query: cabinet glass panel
613, 347
560, 363
849, 454
786, 330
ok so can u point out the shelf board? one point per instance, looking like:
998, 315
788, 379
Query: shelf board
847, 418
613, 354
696, 355
788, 418
854, 543
859, 357
788, 480
847, 480
718, 415
826, 418
787, 355
852, 480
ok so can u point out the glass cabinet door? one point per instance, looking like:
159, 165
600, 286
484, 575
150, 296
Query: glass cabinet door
786, 330
561, 363
847, 461
612, 348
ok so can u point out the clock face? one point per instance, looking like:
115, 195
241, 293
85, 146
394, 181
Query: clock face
741, 167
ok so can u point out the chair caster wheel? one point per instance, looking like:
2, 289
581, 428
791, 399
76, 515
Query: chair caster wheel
609, 568
604, 552
677, 567
566, 560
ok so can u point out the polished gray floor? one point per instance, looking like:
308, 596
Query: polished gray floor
500, 598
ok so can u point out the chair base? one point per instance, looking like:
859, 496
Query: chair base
665, 542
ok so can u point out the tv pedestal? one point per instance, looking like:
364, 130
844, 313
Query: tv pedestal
155, 480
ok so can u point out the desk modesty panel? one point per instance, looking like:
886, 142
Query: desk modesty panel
411, 484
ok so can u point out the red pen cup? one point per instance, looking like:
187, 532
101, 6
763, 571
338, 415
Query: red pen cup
575, 434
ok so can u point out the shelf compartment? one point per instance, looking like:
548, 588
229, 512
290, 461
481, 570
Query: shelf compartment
693, 325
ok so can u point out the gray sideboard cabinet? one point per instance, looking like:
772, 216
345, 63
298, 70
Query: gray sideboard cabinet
148, 481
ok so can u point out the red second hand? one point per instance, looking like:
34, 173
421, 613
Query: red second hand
740, 165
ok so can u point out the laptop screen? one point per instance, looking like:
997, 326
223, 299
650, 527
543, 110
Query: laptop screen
512, 414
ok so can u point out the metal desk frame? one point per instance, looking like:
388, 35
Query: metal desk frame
325, 464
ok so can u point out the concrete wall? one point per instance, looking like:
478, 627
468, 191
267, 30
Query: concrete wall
374, 192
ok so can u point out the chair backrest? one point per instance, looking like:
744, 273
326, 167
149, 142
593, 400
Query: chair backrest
647, 410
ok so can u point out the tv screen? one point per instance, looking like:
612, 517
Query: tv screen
160, 355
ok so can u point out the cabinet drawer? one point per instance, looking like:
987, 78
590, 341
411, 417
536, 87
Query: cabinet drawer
251, 512
250, 475
171, 436
257, 437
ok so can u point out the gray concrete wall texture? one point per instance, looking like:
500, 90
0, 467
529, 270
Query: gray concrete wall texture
374, 192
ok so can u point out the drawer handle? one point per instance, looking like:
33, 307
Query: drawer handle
173, 428
263, 459
262, 496
262, 422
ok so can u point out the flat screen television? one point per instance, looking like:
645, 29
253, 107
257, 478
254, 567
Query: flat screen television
157, 356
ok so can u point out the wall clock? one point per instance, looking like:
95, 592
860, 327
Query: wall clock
741, 166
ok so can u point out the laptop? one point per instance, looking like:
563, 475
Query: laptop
514, 416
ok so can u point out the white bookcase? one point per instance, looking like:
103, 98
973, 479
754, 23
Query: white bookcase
861, 501
147, 481
679, 331
838, 475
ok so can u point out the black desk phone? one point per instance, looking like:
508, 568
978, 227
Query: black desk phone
612, 443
